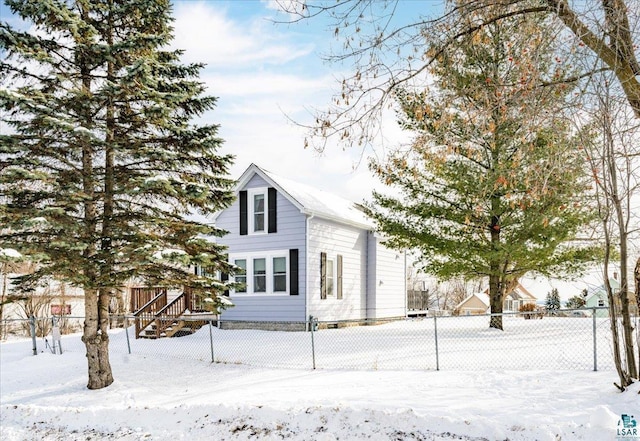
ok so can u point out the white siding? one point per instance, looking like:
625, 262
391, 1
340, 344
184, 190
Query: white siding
291, 227
387, 295
334, 238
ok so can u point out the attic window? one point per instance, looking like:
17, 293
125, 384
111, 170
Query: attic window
257, 212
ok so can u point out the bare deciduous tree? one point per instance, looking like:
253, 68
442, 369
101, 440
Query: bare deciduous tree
613, 157
388, 51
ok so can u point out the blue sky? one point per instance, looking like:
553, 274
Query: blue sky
263, 73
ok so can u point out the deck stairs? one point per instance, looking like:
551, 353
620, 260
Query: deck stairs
165, 314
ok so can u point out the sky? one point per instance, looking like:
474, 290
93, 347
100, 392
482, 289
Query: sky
268, 77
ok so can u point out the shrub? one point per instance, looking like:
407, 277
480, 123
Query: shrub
528, 309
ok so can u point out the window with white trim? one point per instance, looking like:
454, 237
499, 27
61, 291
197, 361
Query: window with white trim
263, 272
279, 274
260, 275
258, 214
330, 276
241, 274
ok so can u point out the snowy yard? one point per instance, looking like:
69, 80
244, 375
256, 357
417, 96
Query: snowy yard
463, 343
162, 391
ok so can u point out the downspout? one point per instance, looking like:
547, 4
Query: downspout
367, 300
404, 284
306, 271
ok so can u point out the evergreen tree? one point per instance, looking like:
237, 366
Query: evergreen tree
102, 165
493, 183
575, 302
553, 301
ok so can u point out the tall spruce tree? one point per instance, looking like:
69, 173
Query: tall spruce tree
101, 165
493, 184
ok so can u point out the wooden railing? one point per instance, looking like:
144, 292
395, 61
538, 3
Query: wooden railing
142, 296
167, 315
147, 314
417, 300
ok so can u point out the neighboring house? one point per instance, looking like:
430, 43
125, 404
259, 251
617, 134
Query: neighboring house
597, 297
517, 298
52, 298
478, 303
304, 252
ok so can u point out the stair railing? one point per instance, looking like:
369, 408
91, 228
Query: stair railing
167, 315
148, 313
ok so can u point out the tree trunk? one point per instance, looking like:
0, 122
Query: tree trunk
96, 338
636, 275
623, 375
496, 291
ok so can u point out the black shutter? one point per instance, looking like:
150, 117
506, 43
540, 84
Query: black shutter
339, 282
243, 213
323, 275
273, 213
224, 277
293, 272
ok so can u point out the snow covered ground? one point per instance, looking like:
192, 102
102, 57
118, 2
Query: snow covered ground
159, 396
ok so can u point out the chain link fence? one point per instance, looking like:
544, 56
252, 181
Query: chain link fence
568, 340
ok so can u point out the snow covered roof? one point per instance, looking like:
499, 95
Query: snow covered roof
310, 200
482, 296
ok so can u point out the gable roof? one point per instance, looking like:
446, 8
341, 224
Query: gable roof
519, 292
483, 297
309, 200
600, 291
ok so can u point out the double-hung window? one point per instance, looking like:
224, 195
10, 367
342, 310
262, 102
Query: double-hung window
241, 274
330, 276
279, 274
260, 275
258, 214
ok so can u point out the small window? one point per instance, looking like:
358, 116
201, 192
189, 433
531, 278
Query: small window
258, 213
330, 277
241, 274
259, 275
279, 274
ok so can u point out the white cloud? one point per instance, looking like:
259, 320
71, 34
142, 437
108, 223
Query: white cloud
263, 74
210, 36
260, 83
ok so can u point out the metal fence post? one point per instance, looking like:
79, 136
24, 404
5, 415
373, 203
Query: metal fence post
126, 331
313, 346
435, 328
213, 360
595, 347
32, 325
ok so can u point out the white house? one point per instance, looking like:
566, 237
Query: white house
306, 253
